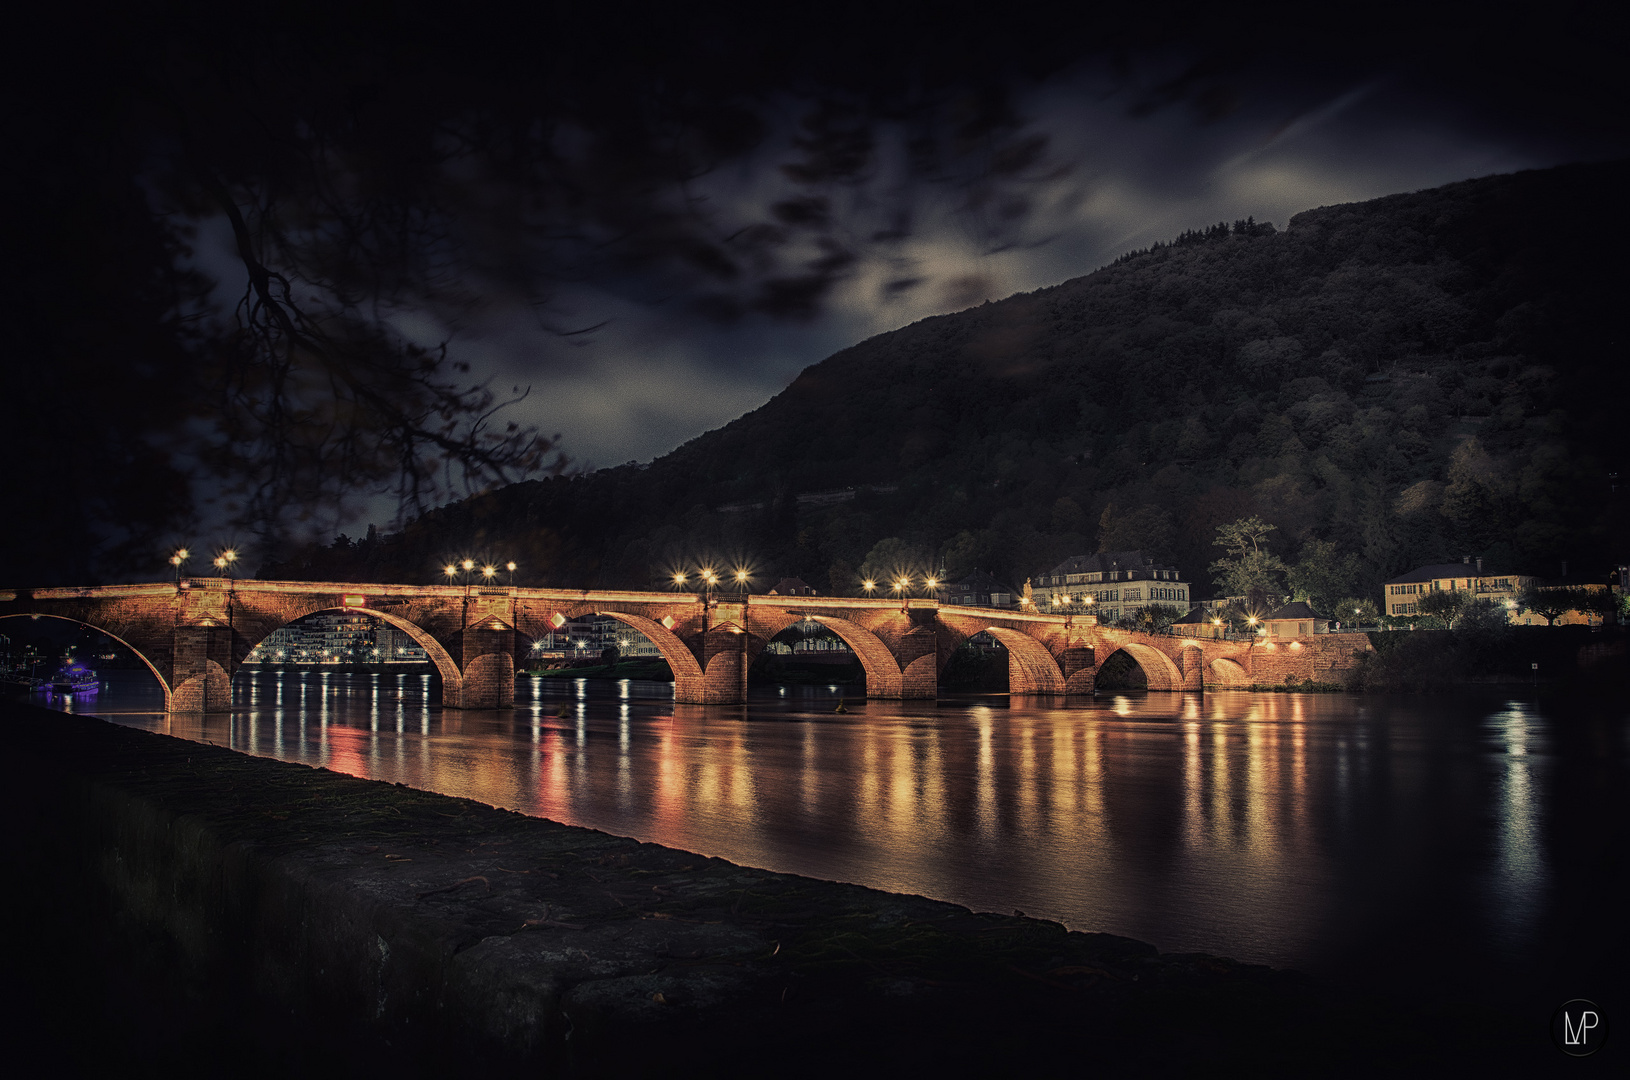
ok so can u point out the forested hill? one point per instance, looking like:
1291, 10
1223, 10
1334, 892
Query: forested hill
1408, 380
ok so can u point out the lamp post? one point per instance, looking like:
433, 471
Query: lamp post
869, 586
178, 560
510, 566
741, 582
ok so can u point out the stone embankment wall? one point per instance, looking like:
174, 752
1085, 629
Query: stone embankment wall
1321, 658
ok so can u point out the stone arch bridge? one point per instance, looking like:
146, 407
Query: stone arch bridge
194, 634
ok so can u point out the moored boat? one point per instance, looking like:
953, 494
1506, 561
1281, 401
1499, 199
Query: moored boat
75, 679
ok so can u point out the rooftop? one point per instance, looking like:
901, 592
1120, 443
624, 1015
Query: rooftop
1107, 561
1444, 570
1297, 609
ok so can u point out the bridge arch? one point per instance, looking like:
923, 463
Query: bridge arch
1158, 668
1031, 668
883, 675
1225, 672
452, 679
689, 679
164, 684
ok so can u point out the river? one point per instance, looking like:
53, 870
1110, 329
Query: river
1452, 847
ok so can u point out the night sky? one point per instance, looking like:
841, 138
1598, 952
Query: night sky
654, 216
1288, 130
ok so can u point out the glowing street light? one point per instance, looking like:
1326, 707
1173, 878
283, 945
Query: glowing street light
451, 571
679, 579
489, 572
178, 560
869, 585
510, 566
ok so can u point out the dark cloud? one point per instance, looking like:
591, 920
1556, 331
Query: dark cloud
654, 215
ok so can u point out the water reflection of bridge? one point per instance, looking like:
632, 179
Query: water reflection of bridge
196, 633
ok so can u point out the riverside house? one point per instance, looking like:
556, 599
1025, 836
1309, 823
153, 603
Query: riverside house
1401, 595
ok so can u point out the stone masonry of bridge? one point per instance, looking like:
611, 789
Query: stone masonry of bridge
195, 634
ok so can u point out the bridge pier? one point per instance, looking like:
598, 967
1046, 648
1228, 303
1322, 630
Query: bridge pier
487, 664
200, 670
1079, 670
725, 651
1193, 667
917, 652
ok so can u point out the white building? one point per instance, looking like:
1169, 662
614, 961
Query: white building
1110, 585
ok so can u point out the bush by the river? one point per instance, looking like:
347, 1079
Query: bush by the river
1423, 660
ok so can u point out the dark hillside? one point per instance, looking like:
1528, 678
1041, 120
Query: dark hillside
1415, 379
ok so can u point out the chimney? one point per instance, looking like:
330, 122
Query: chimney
1465, 560
1480, 566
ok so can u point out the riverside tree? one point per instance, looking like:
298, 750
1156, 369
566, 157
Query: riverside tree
1249, 569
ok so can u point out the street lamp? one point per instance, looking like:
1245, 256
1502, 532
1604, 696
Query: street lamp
224, 561
679, 579
451, 571
870, 586
489, 572
510, 566
178, 560
741, 582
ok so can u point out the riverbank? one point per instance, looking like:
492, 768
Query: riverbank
206, 910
